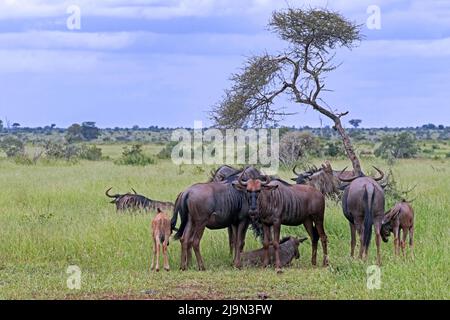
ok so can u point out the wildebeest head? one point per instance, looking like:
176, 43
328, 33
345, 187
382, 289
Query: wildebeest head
296, 242
350, 179
303, 177
253, 187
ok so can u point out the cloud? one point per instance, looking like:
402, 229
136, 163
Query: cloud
405, 48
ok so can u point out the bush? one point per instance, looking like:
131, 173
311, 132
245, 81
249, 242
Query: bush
135, 156
400, 146
166, 152
56, 150
92, 153
447, 155
12, 146
296, 145
334, 149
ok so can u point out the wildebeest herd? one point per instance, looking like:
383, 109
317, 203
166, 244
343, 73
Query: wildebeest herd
237, 199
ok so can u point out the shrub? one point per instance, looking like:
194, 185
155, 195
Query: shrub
296, 145
135, 156
447, 155
56, 150
12, 146
92, 153
400, 146
166, 152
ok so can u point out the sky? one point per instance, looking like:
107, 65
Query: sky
167, 62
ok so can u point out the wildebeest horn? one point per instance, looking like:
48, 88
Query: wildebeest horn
108, 195
346, 179
265, 180
380, 172
134, 191
243, 183
293, 170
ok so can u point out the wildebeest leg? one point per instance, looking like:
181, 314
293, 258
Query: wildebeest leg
185, 245
276, 246
166, 258
158, 248
396, 232
323, 240
360, 230
152, 266
231, 238
403, 243
353, 239
378, 241
266, 244
314, 240
411, 241
198, 233
238, 243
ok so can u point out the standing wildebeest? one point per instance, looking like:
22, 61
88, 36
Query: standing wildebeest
324, 179
288, 251
160, 233
275, 202
136, 201
363, 206
212, 205
399, 218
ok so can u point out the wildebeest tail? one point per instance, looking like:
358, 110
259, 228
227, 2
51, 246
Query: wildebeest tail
315, 234
369, 195
182, 209
176, 210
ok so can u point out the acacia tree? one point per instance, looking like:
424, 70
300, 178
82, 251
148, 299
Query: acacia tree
313, 36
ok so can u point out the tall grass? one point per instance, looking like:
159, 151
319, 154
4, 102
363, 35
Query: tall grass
56, 215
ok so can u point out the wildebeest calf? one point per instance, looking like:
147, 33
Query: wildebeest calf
160, 233
288, 251
399, 218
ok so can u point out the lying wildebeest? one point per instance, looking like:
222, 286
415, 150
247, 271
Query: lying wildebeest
363, 206
136, 201
160, 234
275, 202
288, 251
212, 205
399, 218
324, 179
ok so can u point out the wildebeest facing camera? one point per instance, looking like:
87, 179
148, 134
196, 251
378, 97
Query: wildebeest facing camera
233, 130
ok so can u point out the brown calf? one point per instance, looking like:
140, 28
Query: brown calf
160, 234
288, 251
399, 218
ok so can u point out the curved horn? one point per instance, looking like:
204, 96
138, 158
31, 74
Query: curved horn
134, 191
346, 179
293, 170
242, 183
380, 172
265, 180
108, 195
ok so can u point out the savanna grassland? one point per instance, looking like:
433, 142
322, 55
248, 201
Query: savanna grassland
55, 214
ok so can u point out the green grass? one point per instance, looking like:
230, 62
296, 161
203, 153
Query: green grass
56, 215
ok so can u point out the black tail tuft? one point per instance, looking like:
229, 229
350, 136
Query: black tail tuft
182, 209
368, 217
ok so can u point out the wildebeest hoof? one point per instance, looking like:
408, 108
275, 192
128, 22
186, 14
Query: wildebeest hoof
279, 270
157, 269
167, 269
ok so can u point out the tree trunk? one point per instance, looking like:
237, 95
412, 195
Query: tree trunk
348, 147
345, 138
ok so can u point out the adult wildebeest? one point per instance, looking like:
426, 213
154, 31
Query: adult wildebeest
363, 206
324, 179
212, 205
136, 201
288, 251
399, 218
275, 202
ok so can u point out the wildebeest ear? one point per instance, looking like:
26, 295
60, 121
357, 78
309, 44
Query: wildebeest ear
294, 179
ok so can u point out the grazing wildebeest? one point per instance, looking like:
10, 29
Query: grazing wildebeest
212, 205
363, 206
324, 179
160, 233
275, 202
136, 201
288, 251
399, 218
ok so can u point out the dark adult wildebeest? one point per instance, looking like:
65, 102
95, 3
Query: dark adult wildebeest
288, 252
136, 201
275, 202
363, 206
324, 179
399, 218
212, 205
